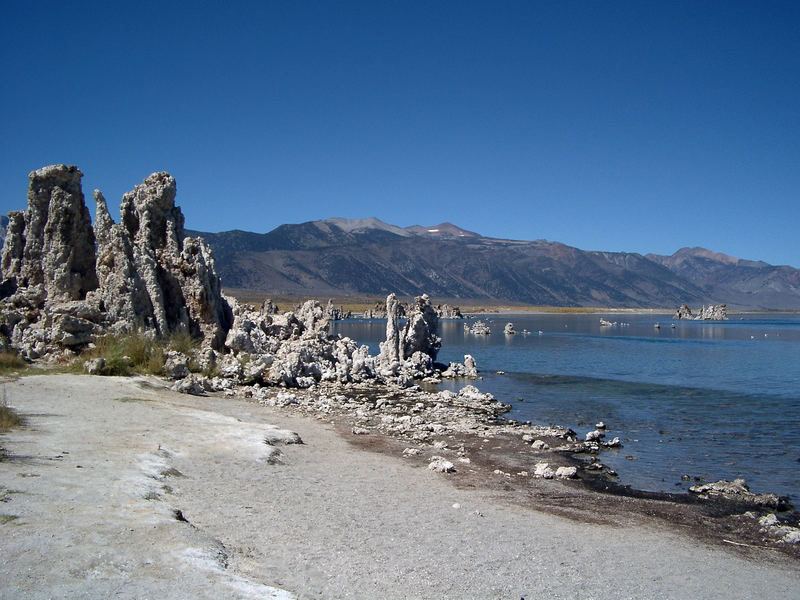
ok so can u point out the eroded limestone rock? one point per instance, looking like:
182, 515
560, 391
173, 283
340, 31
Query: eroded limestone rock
51, 244
58, 293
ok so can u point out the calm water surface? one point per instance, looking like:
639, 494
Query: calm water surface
706, 399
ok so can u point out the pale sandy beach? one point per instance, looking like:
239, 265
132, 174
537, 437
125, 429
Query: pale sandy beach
118, 488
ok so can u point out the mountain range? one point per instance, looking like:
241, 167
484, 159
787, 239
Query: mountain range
340, 257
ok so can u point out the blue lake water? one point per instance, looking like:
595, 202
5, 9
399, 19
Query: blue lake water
706, 399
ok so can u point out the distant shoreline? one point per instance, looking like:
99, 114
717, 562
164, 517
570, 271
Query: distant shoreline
471, 306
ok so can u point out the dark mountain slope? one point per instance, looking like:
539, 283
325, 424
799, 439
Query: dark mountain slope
742, 282
369, 257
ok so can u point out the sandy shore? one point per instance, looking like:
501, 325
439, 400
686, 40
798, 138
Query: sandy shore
120, 488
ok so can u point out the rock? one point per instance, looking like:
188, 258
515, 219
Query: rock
445, 311
470, 366
469, 369
408, 352
335, 314
713, 313
94, 366
68, 330
615, 443
189, 385
509, 329
594, 435
176, 365
121, 291
52, 243
600, 425
737, 490
178, 273
479, 328
792, 537
268, 308
441, 465
420, 333
683, 312
540, 445
566, 472
543, 470
144, 276
391, 350
769, 520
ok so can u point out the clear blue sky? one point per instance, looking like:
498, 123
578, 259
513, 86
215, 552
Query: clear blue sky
635, 126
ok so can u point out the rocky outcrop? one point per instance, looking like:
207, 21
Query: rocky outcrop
713, 312
409, 351
49, 249
509, 329
269, 308
291, 350
333, 313
420, 333
469, 369
178, 273
58, 293
478, 328
446, 311
121, 291
738, 491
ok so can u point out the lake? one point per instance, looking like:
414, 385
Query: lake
710, 400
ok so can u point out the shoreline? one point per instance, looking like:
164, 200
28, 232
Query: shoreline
119, 484
499, 456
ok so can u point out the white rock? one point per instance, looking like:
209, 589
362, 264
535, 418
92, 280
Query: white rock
441, 465
594, 435
566, 472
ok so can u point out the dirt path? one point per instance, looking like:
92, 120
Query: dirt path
117, 489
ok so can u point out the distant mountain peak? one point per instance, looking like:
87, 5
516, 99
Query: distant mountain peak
445, 229
356, 226
360, 225
697, 252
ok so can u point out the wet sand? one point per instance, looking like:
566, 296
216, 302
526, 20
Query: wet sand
118, 487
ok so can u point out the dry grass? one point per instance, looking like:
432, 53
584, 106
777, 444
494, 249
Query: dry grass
11, 363
9, 418
136, 352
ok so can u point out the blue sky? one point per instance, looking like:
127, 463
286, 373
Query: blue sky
624, 126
